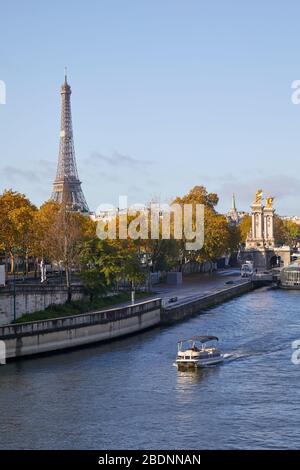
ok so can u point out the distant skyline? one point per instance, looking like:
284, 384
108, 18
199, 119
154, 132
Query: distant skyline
166, 95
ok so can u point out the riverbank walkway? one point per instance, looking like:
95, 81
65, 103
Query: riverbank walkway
193, 286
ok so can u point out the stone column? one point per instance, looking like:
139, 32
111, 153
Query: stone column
257, 224
269, 226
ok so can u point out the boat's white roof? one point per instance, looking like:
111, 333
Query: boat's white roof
201, 339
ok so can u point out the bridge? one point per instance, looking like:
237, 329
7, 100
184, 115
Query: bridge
266, 278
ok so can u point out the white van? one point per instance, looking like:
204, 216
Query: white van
247, 269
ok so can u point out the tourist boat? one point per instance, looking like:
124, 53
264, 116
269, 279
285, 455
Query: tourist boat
195, 352
290, 276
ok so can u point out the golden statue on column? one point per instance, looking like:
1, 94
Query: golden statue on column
260, 246
258, 197
269, 202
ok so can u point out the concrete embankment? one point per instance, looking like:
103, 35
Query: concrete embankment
26, 339
38, 337
194, 306
32, 298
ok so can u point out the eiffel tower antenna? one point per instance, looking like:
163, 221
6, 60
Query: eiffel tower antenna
67, 186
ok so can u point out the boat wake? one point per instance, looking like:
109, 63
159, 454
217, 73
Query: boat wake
235, 356
265, 345
242, 354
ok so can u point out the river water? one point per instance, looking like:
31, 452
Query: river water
127, 394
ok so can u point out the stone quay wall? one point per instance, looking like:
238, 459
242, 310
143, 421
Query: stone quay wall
27, 339
32, 298
46, 336
192, 307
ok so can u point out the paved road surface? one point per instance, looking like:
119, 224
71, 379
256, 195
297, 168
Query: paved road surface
193, 286
196, 285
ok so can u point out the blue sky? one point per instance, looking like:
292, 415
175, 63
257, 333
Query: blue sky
167, 94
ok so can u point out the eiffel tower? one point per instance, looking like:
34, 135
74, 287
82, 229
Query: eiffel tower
67, 186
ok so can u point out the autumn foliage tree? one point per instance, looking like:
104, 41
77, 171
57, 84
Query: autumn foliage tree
286, 232
62, 237
216, 227
17, 227
56, 234
245, 227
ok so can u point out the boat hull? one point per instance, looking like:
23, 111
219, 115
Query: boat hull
289, 287
198, 363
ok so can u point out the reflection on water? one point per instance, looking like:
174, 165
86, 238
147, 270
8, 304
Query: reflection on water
127, 394
186, 378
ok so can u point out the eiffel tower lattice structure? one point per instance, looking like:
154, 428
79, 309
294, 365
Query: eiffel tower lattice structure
67, 186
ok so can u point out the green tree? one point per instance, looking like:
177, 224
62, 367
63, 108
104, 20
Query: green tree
234, 238
106, 262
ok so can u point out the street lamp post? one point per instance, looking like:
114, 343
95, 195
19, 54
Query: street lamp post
132, 292
150, 263
14, 291
14, 282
